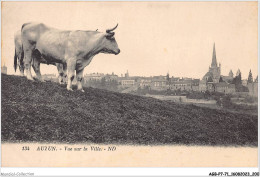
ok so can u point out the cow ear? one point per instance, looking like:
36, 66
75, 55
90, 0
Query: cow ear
109, 35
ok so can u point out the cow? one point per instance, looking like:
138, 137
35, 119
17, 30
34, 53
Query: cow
19, 55
75, 49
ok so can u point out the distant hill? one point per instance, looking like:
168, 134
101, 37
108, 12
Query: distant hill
33, 111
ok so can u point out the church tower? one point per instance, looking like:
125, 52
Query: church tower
215, 68
231, 75
214, 58
127, 74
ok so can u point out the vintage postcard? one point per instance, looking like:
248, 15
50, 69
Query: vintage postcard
129, 84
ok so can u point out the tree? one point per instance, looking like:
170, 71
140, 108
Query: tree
256, 79
239, 80
238, 72
226, 101
250, 77
238, 84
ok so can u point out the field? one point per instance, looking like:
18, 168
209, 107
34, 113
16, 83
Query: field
33, 111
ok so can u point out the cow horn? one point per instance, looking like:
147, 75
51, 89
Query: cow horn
109, 35
109, 30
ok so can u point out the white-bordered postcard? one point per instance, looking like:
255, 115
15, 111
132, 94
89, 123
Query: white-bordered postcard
129, 84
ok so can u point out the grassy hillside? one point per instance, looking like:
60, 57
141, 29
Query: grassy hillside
47, 112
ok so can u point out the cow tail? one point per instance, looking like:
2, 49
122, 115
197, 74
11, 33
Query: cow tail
22, 56
15, 60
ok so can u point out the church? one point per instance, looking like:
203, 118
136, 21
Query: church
213, 75
213, 80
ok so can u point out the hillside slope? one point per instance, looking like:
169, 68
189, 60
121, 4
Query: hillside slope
46, 112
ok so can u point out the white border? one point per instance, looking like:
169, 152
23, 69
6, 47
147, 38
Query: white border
129, 171
124, 171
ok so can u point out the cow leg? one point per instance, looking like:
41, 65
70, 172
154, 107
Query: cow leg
64, 72
71, 72
79, 75
27, 61
21, 64
36, 68
61, 72
21, 68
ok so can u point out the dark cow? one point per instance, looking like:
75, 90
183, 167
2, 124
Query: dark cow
73, 48
19, 55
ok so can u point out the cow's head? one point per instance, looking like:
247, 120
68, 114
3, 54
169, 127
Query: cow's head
109, 43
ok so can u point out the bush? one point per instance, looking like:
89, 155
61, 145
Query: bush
226, 101
250, 99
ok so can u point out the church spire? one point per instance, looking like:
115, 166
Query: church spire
214, 58
231, 74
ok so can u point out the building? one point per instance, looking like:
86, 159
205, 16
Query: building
206, 82
159, 83
215, 68
181, 85
224, 87
228, 78
195, 84
4, 69
111, 77
213, 75
184, 84
94, 77
253, 88
144, 82
213, 81
127, 74
210, 87
50, 77
127, 81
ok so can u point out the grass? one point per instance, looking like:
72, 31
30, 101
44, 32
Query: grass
46, 112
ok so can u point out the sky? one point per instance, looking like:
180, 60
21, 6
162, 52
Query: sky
154, 37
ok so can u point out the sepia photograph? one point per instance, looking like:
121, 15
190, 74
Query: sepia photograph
129, 84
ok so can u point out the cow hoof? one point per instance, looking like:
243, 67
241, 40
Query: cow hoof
30, 78
82, 90
63, 83
38, 79
69, 89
